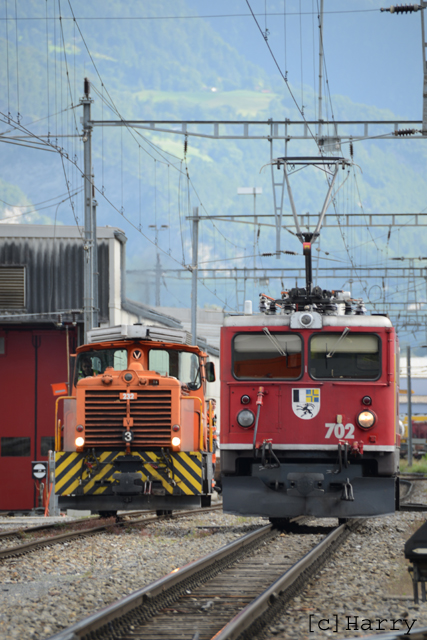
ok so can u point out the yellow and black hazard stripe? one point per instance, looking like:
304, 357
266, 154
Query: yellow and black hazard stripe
188, 468
80, 472
72, 471
184, 470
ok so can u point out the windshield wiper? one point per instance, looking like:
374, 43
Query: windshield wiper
343, 335
275, 342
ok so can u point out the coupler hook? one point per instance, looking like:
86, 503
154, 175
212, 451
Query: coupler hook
259, 402
347, 491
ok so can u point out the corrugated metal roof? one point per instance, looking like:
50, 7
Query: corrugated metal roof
52, 260
53, 270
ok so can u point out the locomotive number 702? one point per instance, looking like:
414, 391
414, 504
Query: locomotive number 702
339, 430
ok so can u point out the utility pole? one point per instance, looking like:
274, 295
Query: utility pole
95, 265
245, 191
158, 270
424, 47
409, 387
90, 236
195, 220
319, 115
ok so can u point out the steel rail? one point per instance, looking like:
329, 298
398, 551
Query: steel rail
17, 533
148, 593
63, 537
294, 579
52, 525
281, 589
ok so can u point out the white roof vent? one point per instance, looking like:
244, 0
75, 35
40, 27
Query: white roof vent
137, 331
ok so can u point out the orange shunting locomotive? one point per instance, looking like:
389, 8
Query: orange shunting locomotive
135, 432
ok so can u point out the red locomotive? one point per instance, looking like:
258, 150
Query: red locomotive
309, 407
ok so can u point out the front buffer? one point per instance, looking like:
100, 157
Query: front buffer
296, 491
114, 481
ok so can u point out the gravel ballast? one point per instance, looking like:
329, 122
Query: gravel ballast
43, 592
365, 590
46, 591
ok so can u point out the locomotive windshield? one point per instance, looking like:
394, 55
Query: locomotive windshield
90, 363
356, 356
267, 356
182, 365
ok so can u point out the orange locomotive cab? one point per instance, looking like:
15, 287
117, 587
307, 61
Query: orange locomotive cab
135, 432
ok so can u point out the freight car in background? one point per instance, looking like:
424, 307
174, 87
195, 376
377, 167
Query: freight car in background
419, 436
309, 408
135, 432
418, 402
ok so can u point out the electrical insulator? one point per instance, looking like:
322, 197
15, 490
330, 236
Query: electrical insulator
405, 132
403, 8
185, 145
351, 149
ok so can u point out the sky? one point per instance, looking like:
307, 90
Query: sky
372, 57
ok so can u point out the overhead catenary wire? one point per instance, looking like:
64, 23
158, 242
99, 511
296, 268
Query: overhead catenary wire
197, 17
285, 79
47, 70
158, 160
18, 117
26, 213
155, 147
7, 60
63, 157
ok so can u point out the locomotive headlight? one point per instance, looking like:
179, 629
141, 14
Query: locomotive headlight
245, 418
80, 441
176, 441
366, 419
306, 319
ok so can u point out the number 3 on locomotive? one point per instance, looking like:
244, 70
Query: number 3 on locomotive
339, 430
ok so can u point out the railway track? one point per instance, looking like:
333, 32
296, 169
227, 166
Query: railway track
39, 543
19, 533
240, 586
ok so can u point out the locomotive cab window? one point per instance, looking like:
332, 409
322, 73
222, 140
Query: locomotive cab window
350, 356
268, 356
182, 365
90, 363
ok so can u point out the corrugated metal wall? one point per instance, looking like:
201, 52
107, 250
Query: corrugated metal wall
54, 272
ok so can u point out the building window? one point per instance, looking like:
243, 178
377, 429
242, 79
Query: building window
47, 444
15, 447
12, 287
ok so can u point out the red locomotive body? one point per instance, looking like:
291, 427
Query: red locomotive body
309, 410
